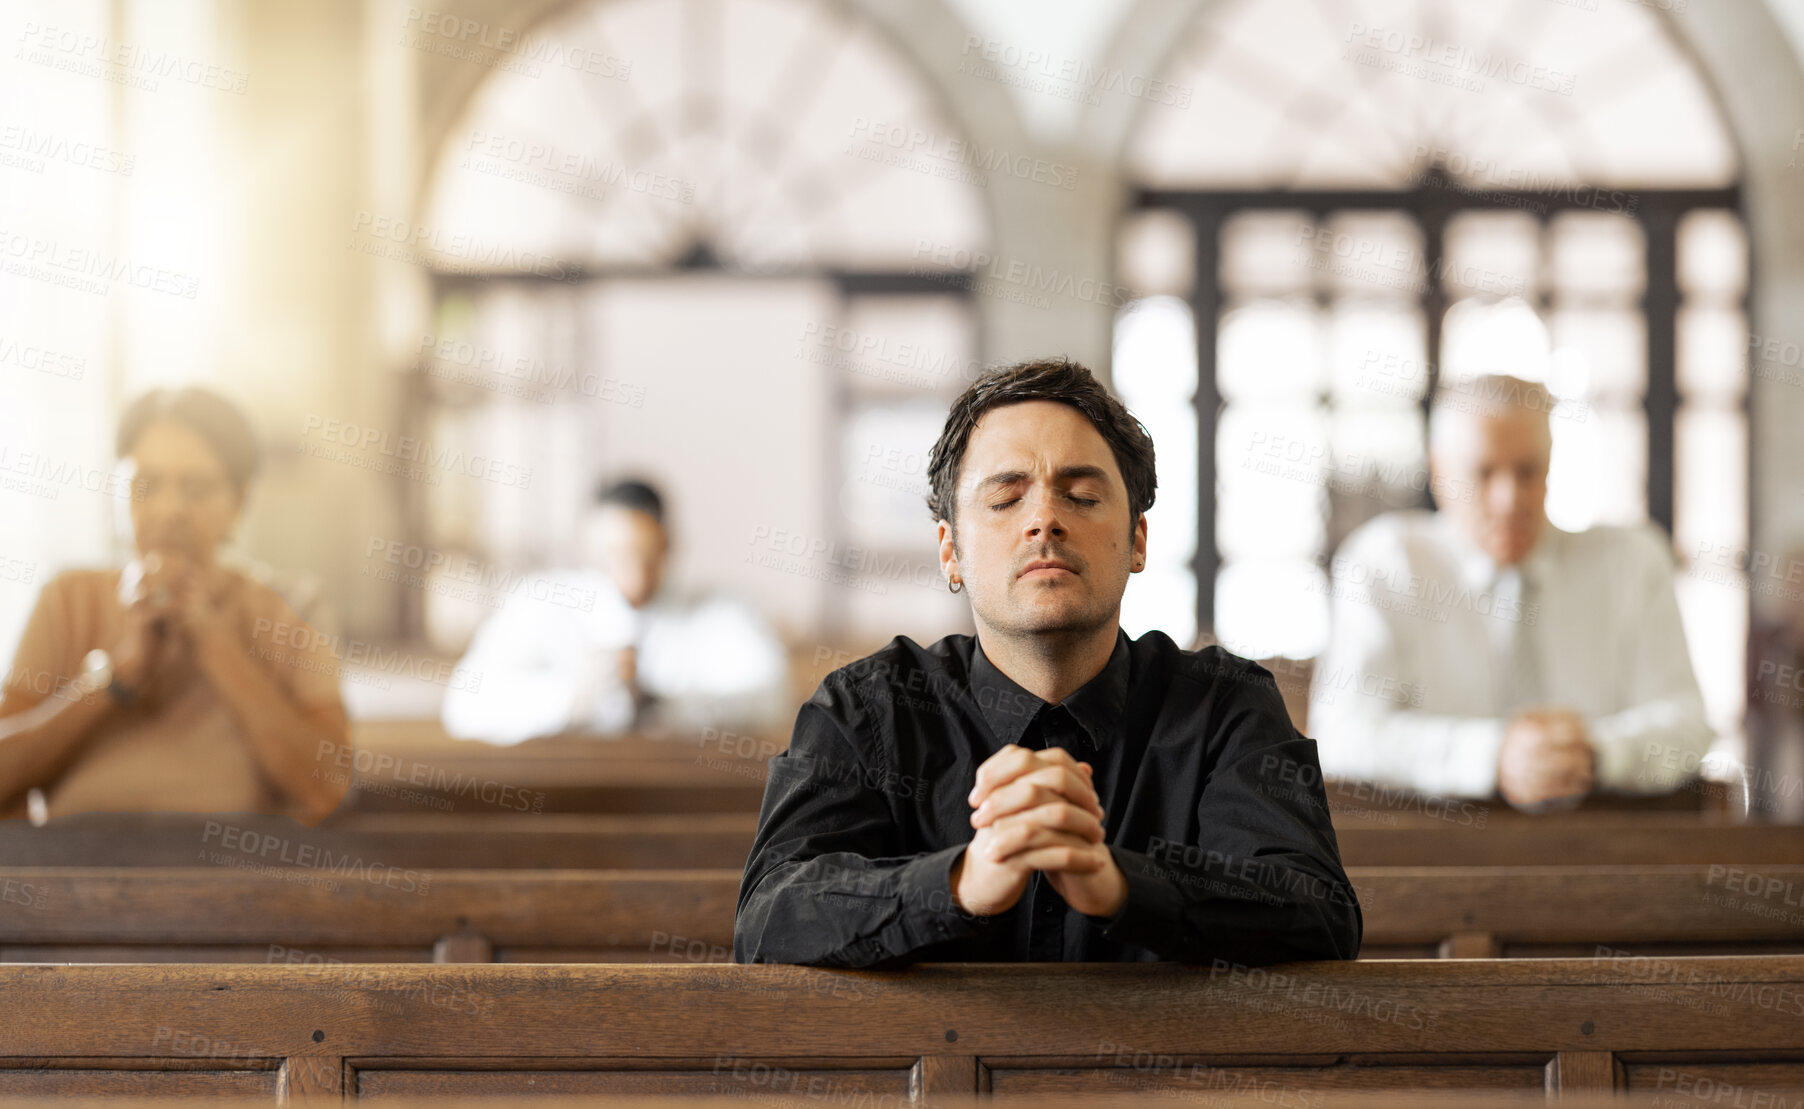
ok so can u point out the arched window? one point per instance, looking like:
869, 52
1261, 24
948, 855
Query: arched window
1364, 201
721, 243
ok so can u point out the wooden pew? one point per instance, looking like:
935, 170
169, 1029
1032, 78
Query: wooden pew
1554, 1028
1117, 1099
567, 841
717, 772
411, 766
1124, 1099
1552, 911
1559, 839
422, 841
1121, 1099
1365, 804
376, 912
370, 913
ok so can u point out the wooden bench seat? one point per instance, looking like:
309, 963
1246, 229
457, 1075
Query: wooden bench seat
410, 766
328, 1034
1124, 1098
376, 912
423, 841
612, 841
1563, 839
403, 766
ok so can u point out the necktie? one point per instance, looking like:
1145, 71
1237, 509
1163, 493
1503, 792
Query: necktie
1054, 726
1524, 688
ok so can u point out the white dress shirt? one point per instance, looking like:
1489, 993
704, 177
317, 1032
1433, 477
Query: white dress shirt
1434, 646
543, 667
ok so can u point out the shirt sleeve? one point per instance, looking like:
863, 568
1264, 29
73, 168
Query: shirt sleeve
723, 667
1264, 884
1377, 736
516, 685
826, 883
1658, 740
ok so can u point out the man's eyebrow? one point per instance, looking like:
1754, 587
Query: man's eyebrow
1064, 473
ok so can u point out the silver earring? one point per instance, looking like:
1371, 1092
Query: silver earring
955, 587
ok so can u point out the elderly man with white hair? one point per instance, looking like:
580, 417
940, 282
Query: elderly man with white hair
1539, 664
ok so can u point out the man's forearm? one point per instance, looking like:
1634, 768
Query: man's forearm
844, 910
1451, 756
1251, 910
1650, 748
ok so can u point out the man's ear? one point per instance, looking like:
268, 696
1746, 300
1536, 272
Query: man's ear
946, 537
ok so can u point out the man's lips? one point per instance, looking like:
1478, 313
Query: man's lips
1047, 567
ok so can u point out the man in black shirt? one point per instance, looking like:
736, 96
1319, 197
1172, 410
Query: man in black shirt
1048, 790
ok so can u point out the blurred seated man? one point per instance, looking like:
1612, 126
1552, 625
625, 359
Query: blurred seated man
1050, 789
175, 684
1479, 650
640, 657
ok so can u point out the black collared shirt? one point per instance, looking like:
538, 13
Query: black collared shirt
1214, 807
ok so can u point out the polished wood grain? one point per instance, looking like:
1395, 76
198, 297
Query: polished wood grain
380, 913
1057, 1030
662, 841
372, 912
1121, 1098
423, 841
1565, 839
1552, 910
412, 766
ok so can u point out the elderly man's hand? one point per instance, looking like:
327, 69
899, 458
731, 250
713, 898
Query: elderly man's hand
1036, 810
1545, 756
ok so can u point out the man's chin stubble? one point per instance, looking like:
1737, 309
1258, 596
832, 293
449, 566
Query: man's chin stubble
1031, 620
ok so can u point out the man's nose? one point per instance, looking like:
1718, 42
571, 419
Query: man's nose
1044, 519
1505, 494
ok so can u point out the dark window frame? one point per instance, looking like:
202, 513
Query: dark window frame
1433, 202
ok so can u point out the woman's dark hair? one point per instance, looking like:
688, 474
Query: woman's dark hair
204, 412
1053, 379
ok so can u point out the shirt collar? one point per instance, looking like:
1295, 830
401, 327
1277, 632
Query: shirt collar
1477, 571
1097, 706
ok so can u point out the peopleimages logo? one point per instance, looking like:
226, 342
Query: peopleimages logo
529, 52
87, 269
402, 240
1068, 78
906, 143
126, 63
259, 851
1452, 62
406, 449
1013, 278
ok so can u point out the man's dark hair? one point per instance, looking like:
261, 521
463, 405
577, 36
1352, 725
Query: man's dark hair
631, 493
1053, 379
204, 412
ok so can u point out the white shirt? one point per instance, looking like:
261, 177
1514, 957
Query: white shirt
542, 665
1424, 666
